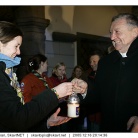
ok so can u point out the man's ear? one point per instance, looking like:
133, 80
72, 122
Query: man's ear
135, 32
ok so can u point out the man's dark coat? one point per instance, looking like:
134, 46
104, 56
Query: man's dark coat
116, 89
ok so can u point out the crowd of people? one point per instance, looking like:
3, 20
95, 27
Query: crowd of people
108, 91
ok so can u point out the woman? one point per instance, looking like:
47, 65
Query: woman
77, 73
58, 74
34, 82
58, 77
14, 114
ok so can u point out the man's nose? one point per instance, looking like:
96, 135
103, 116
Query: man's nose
113, 36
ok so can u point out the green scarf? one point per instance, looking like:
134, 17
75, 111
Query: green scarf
40, 78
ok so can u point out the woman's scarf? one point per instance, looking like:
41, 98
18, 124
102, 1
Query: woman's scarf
9, 61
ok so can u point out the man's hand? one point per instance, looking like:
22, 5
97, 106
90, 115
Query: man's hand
79, 86
56, 120
133, 121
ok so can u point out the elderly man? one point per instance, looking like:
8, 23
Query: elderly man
116, 81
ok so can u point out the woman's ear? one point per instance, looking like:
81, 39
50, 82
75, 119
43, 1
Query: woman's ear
41, 63
1, 44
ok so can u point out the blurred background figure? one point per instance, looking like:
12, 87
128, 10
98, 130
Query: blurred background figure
76, 73
93, 119
110, 49
58, 74
36, 80
34, 83
79, 122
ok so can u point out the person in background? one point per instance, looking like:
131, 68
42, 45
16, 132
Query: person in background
94, 58
116, 85
15, 115
34, 82
93, 119
79, 127
76, 73
110, 49
58, 74
58, 77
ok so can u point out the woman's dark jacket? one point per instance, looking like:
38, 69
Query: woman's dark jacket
14, 116
116, 89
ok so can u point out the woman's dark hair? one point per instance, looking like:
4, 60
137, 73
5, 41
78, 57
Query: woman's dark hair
76, 67
8, 31
35, 61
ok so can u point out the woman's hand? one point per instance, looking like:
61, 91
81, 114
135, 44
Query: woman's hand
64, 89
56, 120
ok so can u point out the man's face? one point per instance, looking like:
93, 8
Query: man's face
94, 62
122, 34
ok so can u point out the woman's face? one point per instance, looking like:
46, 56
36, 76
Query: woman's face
43, 66
61, 71
78, 72
12, 48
